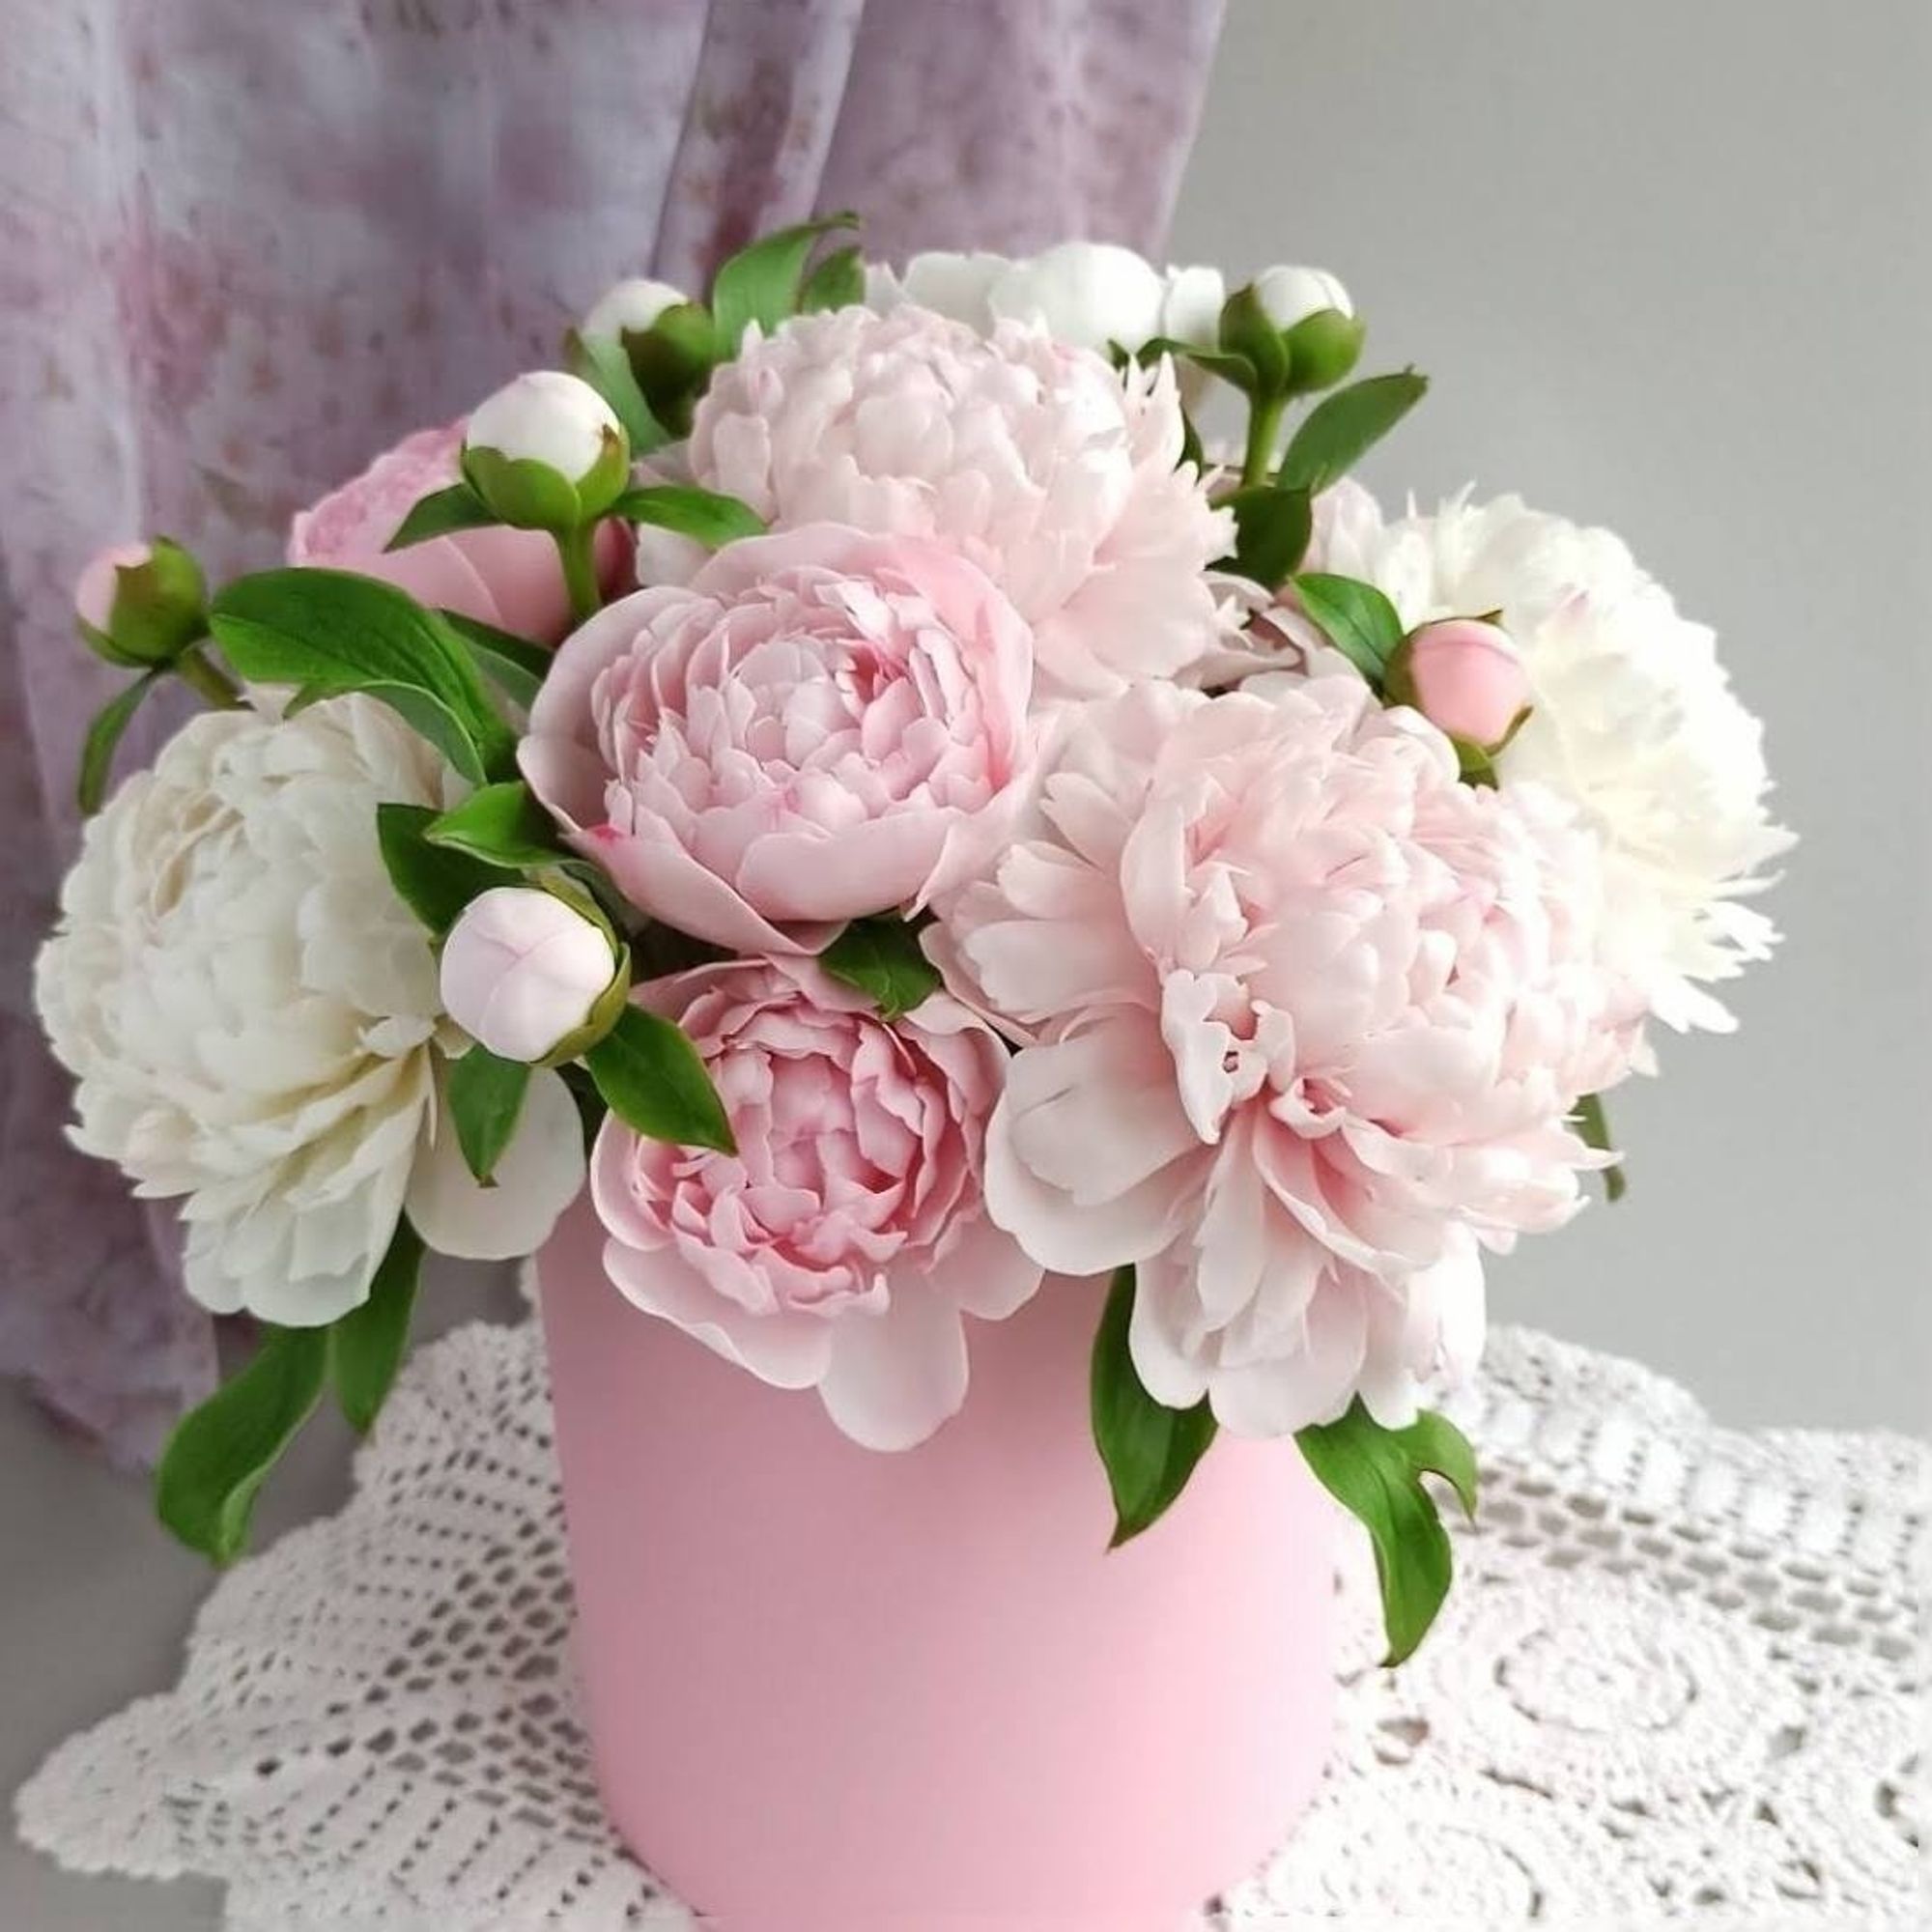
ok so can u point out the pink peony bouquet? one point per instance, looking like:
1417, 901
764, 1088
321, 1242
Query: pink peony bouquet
841, 782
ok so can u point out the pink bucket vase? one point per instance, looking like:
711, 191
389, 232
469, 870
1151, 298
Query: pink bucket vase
834, 1691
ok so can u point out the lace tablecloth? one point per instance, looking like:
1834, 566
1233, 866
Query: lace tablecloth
1681, 1678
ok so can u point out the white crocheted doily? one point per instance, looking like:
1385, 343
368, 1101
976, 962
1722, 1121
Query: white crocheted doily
1680, 1677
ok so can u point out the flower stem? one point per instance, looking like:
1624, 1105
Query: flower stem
1264, 422
215, 687
579, 569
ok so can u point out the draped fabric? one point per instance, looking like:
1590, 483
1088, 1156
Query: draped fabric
245, 246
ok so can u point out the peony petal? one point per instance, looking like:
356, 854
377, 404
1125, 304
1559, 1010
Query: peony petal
893, 1376
537, 1176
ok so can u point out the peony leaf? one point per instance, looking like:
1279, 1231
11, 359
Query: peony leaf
601, 361
838, 282
365, 1346
882, 958
1376, 1474
515, 666
1150, 1450
221, 1453
652, 1079
1592, 1122
1340, 429
1236, 371
485, 1095
761, 283
500, 825
433, 881
1355, 617
103, 739
330, 631
1271, 532
457, 509
707, 516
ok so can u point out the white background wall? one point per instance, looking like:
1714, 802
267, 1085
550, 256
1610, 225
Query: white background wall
1670, 263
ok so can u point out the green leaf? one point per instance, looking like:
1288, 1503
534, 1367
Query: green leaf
331, 631
1150, 1450
433, 881
1271, 532
221, 1453
704, 514
457, 509
601, 361
485, 1096
1376, 1474
515, 666
103, 739
500, 825
838, 282
883, 959
1592, 1122
1235, 370
365, 1346
1340, 429
761, 283
652, 1079
1357, 619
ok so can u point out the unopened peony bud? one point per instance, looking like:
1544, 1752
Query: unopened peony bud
632, 307
1088, 293
1318, 323
1190, 306
546, 453
1291, 295
141, 604
1464, 676
522, 971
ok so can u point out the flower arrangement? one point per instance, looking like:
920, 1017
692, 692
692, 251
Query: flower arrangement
843, 773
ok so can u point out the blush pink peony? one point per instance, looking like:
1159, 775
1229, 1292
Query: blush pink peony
507, 578
840, 1248
822, 725
1307, 1017
1058, 477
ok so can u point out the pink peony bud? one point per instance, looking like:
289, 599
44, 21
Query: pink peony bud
1467, 677
523, 971
99, 581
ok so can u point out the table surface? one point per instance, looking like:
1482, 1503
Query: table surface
1654, 1619
96, 1603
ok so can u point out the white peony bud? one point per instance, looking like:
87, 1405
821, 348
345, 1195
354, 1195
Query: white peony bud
546, 453
631, 306
546, 417
1292, 295
523, 971
1088, 293
952, 285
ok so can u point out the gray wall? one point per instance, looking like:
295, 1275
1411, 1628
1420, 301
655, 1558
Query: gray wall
1670, 263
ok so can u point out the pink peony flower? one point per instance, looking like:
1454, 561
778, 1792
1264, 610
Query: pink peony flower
1307, 1017
822, 725
1052, 473
507, 578
840, 1246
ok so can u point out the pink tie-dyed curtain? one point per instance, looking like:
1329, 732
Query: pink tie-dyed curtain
245, 246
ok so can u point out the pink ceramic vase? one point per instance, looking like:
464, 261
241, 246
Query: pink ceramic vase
833, 1691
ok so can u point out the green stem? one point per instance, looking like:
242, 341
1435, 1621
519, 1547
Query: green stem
577, 548
1263, 424
215, 687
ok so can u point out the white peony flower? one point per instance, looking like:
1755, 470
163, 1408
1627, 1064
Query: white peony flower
949, 284
1052, 473
1634, 721
1085, 293
253, 1020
